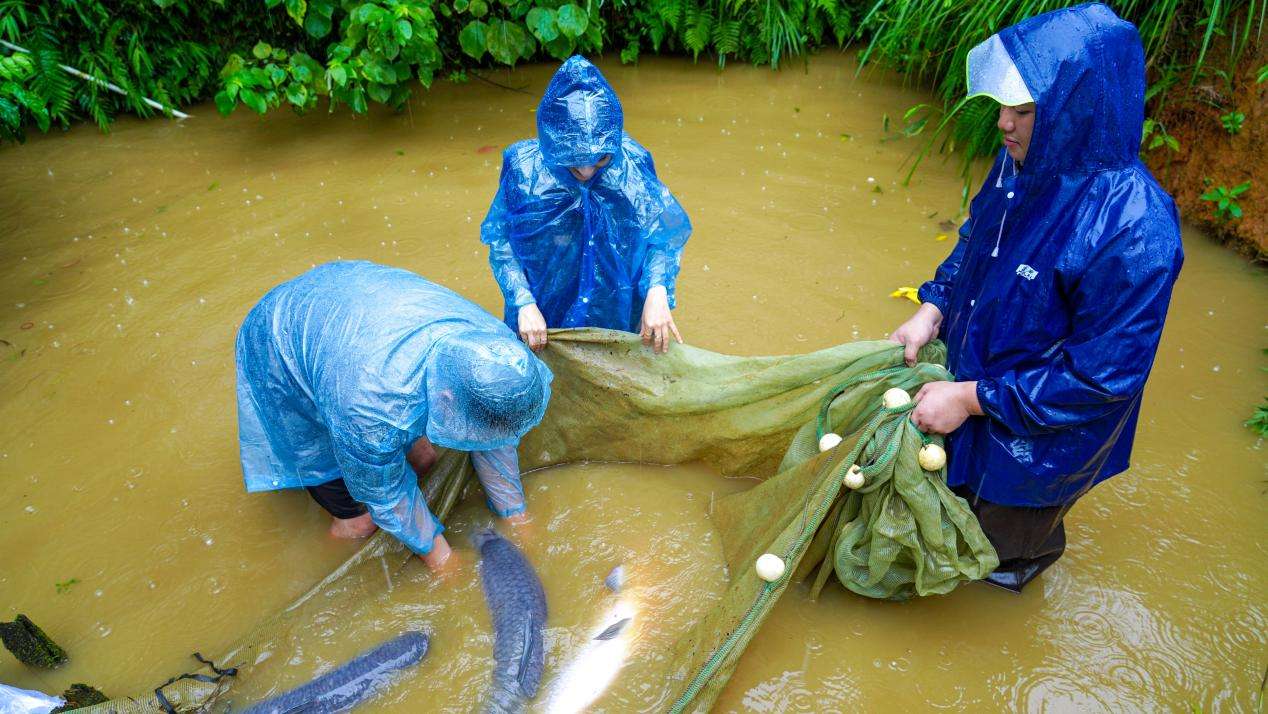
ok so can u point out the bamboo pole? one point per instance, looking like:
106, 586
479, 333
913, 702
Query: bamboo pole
112, 87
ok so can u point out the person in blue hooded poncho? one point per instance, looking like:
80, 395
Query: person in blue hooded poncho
581, 232
350, 372
1052, 302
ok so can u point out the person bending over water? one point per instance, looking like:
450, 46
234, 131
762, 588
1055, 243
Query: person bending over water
350, 372
1052, 302
581, 232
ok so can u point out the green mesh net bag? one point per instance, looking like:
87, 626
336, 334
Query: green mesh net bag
901, 534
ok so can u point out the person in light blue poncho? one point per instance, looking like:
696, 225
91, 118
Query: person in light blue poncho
350, 372
581, 232
1053, 301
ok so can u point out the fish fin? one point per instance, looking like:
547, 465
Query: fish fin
614, 629
616, 579
301, 708
532, 649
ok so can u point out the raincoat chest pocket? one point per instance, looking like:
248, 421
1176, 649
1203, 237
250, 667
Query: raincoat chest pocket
1025, 313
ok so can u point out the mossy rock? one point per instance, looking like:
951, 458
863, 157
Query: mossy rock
29, 644
80, 696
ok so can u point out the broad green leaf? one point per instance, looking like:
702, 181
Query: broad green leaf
261, 50
369, 13
297, 9
253, 100
301, 73
473, 39
572, 20
561, 48
507, 41
297, 94
404, 30
541, 21
338, 75
224, 103
316, 25
376, 71
357, 100
378, 92
460, 5
276, 74
479, 8
272, 3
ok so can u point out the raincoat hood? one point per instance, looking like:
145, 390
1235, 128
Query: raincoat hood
579, 118
487, 390
1085, 69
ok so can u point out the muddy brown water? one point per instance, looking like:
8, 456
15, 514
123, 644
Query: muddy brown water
127, 262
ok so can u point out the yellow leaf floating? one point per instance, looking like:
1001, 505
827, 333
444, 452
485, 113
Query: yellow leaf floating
940, 236
905, 292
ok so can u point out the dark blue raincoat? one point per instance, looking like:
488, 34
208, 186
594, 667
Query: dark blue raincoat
586, 253
1054, 298
343, 368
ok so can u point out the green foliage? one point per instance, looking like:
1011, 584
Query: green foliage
167, 50
1259, 424
930, 41
1225, 200
1232, 122
1262, 73
1154, 135
1259, 420
382, 47
379, 47
757, 31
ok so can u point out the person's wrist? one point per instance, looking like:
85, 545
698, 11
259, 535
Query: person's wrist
968, 397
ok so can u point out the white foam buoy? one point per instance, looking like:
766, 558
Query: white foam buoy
770, 567
829, 442
853, 478
932, 457
895, 397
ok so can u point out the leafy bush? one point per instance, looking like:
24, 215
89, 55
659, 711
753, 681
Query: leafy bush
378, 47
269, 53
382, 47
168, 50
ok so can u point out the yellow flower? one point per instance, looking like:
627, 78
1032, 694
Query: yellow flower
940, 236
909, 293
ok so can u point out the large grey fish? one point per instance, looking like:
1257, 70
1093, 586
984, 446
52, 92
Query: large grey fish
518, 605
347, 685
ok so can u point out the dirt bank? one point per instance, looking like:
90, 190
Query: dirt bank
1210, 156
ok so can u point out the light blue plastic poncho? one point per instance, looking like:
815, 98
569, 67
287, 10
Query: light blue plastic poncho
1054, 298
341, 369
586, 253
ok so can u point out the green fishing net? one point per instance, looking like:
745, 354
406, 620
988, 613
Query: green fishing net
901, 534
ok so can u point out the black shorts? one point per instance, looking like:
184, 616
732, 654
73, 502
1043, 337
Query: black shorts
334, 497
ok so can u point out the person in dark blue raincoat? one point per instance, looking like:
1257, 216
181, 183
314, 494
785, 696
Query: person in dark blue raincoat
581, 232
350, 372
1052, 302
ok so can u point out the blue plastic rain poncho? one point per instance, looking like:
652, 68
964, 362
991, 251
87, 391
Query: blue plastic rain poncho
1054, 297
586, 253
341, 369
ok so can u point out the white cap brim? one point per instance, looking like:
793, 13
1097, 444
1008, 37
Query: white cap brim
992, 73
